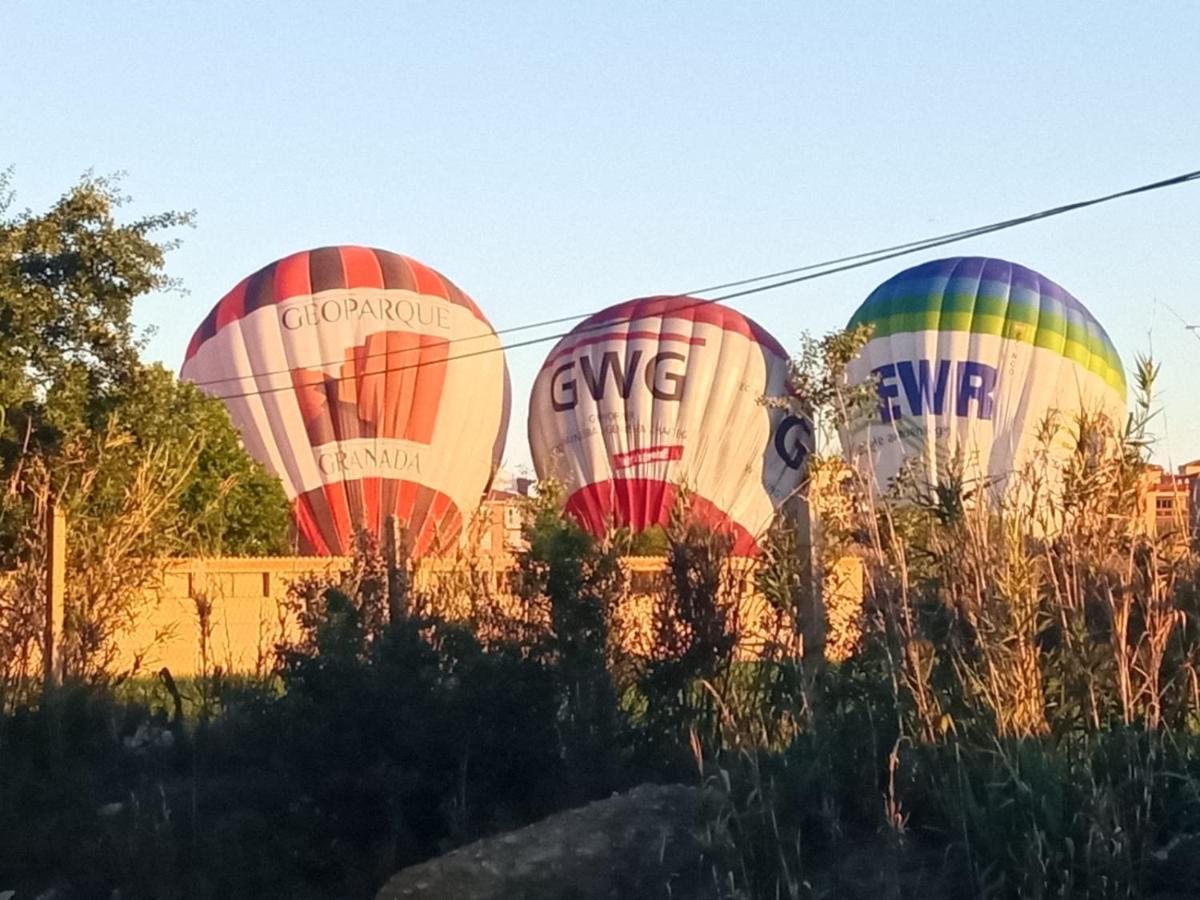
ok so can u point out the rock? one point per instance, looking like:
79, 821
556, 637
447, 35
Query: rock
150, 737
644, 844
1177, 865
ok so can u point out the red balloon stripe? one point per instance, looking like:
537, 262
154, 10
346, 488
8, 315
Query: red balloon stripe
641, 502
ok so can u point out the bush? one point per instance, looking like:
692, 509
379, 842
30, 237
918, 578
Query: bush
379, 745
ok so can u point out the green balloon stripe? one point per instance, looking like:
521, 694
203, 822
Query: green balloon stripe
997, 318
1012, 321
971, 304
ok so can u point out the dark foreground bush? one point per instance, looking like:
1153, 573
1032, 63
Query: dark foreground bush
385, 736
1019, 718
368, 755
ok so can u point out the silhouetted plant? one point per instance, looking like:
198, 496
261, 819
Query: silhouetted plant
577, 582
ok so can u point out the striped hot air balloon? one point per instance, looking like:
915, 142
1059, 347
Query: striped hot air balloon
337, 366
660, 392
971, 355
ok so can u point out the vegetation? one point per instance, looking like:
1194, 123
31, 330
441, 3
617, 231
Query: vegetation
144, 466
81, 416
1013, 710
1014, 714
1019, 716
1009, 723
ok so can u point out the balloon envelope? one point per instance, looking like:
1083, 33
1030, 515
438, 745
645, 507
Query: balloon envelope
971, 356
338, 367
660, 392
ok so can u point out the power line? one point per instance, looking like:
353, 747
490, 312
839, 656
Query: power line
871, 256
802, 274
1194, 330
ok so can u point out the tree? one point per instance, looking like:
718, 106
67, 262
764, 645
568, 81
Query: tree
577, 581
228, 504
144, 465
68, 279
70, 369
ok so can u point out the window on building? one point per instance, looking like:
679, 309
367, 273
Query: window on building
1165, 505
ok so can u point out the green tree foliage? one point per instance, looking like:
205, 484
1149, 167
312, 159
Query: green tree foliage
229, 504
68, 279
577, 582
694, 636
70, 371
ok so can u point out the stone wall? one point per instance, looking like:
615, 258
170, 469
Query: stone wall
228, 612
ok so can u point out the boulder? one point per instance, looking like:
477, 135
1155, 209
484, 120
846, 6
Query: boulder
645, 843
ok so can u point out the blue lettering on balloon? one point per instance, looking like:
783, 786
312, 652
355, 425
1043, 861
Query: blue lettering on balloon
976, 381
888, 391
922, 385
919, 389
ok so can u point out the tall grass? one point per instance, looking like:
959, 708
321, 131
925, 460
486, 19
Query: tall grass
1012, 709
1020, 715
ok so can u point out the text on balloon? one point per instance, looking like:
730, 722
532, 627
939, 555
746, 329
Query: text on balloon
923, 387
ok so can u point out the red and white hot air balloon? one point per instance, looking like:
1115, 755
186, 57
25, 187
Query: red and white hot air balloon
663, 392
339, 368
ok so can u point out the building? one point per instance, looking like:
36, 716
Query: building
1171, 502
497, 528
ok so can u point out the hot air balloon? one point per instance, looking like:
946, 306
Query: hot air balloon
971, 356
338, 367
663, 392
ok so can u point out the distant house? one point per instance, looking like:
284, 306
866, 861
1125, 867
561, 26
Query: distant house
496, 530
1171, 502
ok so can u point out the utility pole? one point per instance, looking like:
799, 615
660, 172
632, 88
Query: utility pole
397, 569
56, 589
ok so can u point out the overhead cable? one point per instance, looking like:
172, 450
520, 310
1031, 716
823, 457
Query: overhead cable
799, 274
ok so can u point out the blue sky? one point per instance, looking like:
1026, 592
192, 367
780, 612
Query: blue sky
558, 157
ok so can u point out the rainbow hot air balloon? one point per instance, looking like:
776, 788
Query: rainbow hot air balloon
971, 356
656, 393
338, 367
